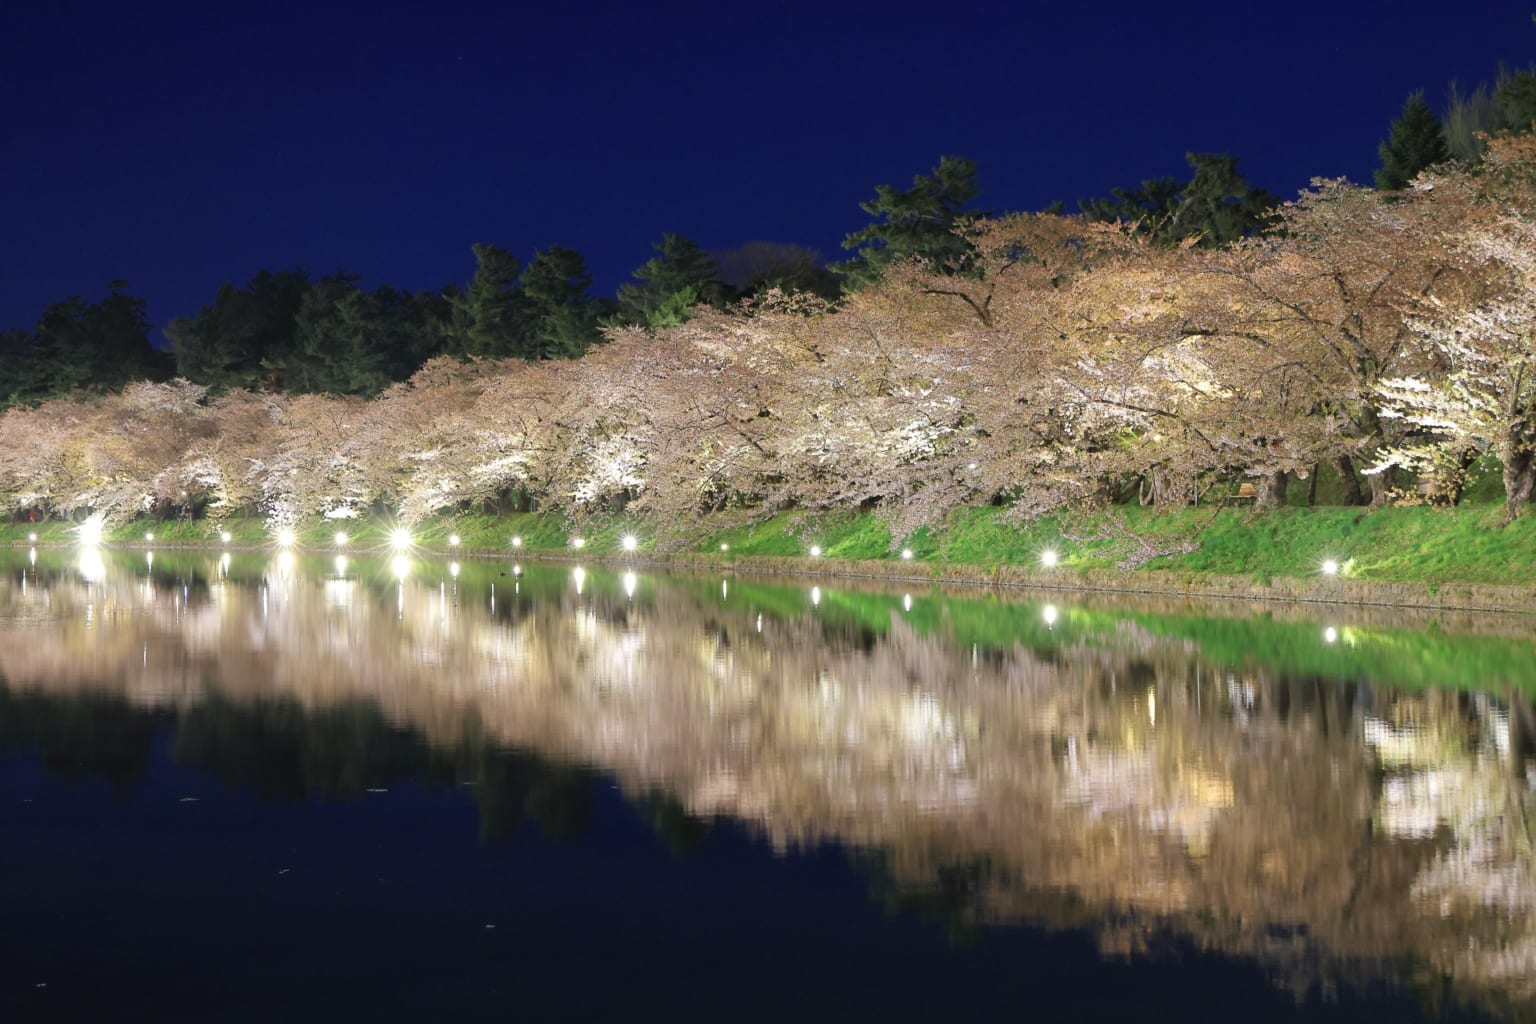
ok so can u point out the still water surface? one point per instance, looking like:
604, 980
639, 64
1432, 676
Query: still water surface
270, 787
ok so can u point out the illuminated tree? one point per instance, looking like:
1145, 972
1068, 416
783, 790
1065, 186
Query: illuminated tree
1482, 396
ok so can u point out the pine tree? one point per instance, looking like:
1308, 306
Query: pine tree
679, 277
562, 315
1514, 103
1415, 141
1216, 206
919, 222
493, 312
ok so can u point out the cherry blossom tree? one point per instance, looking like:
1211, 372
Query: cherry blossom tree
1484, 346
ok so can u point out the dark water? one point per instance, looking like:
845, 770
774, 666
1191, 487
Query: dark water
279, 788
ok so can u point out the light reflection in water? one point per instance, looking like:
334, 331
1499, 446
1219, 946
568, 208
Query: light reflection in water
1382, 825
92, 568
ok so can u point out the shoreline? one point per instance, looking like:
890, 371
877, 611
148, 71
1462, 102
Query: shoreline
1326, 591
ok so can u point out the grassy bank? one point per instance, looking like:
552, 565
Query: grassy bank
1418, 545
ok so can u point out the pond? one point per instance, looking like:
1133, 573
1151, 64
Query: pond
262, 785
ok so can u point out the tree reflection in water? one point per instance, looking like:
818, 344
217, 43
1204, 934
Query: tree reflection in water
1133, 774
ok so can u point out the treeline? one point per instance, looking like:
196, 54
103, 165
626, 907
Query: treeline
1169, 339
284, 331
1044, 361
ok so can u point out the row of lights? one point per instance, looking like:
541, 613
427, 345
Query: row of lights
401, 540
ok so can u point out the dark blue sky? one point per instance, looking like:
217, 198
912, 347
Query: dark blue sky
181, 145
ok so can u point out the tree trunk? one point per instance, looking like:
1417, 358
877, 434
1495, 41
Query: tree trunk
1170, 490
1381, 489
1269, 490
1312, 487
1444, 488
1519, 482
1345, 467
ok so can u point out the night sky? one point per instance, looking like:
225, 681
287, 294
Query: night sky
177, 146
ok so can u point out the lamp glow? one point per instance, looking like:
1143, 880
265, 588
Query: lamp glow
1049, 558
1330, 635
815, 551
1050, 615
816, 596
226, 536
149, 538
453, 569
906, 554
340, 538
285, 538
517, 542
629, 584
400, 540
1330, 567
32, 538
453, 540
629, 542
92, 568
401, 566
340, 563
90, 531
725, 547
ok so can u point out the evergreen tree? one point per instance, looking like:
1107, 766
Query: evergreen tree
918, 222
1216, 206
337, 347
79, 344
232, 342
561, 314
492, 310
1219, 205
680, 276
25, 375
408, 328
1415, 141
1148, 209
1514, 103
